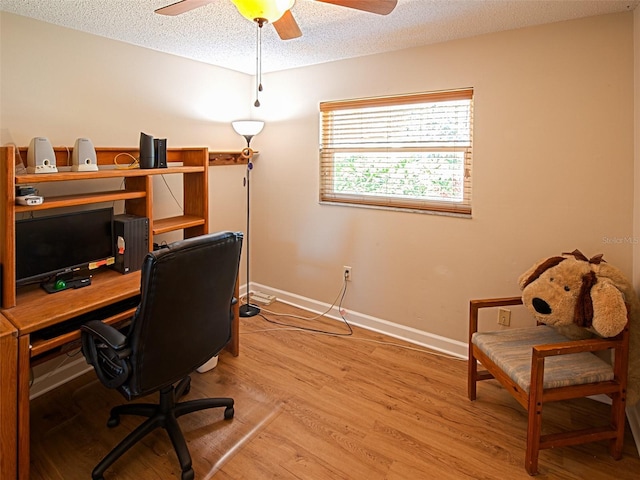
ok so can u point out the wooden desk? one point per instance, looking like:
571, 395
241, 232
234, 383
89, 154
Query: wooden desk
8, 399
36, 310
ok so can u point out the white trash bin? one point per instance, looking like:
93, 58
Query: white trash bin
211, 363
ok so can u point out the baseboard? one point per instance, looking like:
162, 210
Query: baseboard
54, 373
415, 336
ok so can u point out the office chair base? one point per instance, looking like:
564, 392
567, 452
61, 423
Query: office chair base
165, 415
247, 310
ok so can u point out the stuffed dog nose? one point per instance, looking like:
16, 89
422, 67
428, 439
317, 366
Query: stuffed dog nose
541, 306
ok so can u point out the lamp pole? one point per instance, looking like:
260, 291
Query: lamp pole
248, 310
248, 129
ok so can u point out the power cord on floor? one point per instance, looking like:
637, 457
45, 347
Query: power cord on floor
339, 297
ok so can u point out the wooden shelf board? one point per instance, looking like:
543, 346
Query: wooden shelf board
171, 224
102, 173
228, 158
81, 199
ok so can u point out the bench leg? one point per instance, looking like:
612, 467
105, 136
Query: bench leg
618, 419
534, 429
472, 376
534, 414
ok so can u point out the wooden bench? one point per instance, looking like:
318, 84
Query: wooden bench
537, 365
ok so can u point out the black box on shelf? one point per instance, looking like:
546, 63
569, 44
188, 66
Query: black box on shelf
131, 235
160, 152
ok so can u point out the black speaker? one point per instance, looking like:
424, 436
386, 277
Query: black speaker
160, 152
147, 155
131, 235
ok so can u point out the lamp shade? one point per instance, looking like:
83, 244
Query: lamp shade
247, 127
269, 10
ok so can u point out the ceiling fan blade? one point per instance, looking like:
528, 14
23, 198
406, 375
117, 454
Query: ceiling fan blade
182, 6
287, 27
381, 7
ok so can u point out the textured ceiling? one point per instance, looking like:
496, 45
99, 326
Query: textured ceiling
218, 35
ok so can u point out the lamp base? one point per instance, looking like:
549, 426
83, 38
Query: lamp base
247, 310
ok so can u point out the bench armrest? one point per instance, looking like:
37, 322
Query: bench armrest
575, 346
476, 305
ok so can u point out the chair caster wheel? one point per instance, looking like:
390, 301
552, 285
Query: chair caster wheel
228, 413
113, 421
188, 474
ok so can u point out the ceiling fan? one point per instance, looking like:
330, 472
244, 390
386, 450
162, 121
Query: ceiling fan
278, 12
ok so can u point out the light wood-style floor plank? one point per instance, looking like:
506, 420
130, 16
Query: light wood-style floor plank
313, 406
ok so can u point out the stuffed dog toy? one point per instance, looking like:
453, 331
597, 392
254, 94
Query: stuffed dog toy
581, 297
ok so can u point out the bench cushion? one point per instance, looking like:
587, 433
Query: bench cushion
511, 351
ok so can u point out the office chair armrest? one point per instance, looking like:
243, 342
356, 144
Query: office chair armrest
106, 349
106, 333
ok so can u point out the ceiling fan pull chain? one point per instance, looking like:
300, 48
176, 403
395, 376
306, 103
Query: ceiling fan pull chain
258, 62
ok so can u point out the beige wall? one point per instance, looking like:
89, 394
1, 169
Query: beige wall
553, 154
553, 171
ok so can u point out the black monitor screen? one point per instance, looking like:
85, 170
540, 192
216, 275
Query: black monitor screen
49, 245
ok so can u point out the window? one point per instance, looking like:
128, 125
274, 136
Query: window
404, 152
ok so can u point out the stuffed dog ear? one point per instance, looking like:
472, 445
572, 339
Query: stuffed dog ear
609, 309
538, 269
583, 312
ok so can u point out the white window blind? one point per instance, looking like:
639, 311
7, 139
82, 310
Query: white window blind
410, 152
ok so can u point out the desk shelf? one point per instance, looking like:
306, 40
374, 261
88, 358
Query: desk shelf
181, 222
81, 199
26, 312
62, 176
191, 163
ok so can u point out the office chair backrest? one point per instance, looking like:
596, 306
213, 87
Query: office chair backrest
184, 317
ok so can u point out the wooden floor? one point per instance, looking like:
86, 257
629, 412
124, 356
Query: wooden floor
312, 406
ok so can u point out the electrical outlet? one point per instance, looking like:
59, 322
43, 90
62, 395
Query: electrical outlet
504, 317
346, 273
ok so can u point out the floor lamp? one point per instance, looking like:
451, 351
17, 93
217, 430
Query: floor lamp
248, 129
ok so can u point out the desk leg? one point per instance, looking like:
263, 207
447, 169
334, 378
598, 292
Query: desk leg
24, 361
8, 404
233, 346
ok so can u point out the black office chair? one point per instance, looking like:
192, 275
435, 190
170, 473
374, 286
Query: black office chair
184, 318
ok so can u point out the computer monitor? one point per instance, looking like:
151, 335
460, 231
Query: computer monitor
50, 246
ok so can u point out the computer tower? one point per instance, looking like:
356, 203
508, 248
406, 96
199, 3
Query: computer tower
131, 234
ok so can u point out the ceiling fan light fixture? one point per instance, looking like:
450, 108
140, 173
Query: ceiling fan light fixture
269, 10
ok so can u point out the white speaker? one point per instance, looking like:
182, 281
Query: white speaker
83, 158
40, 156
